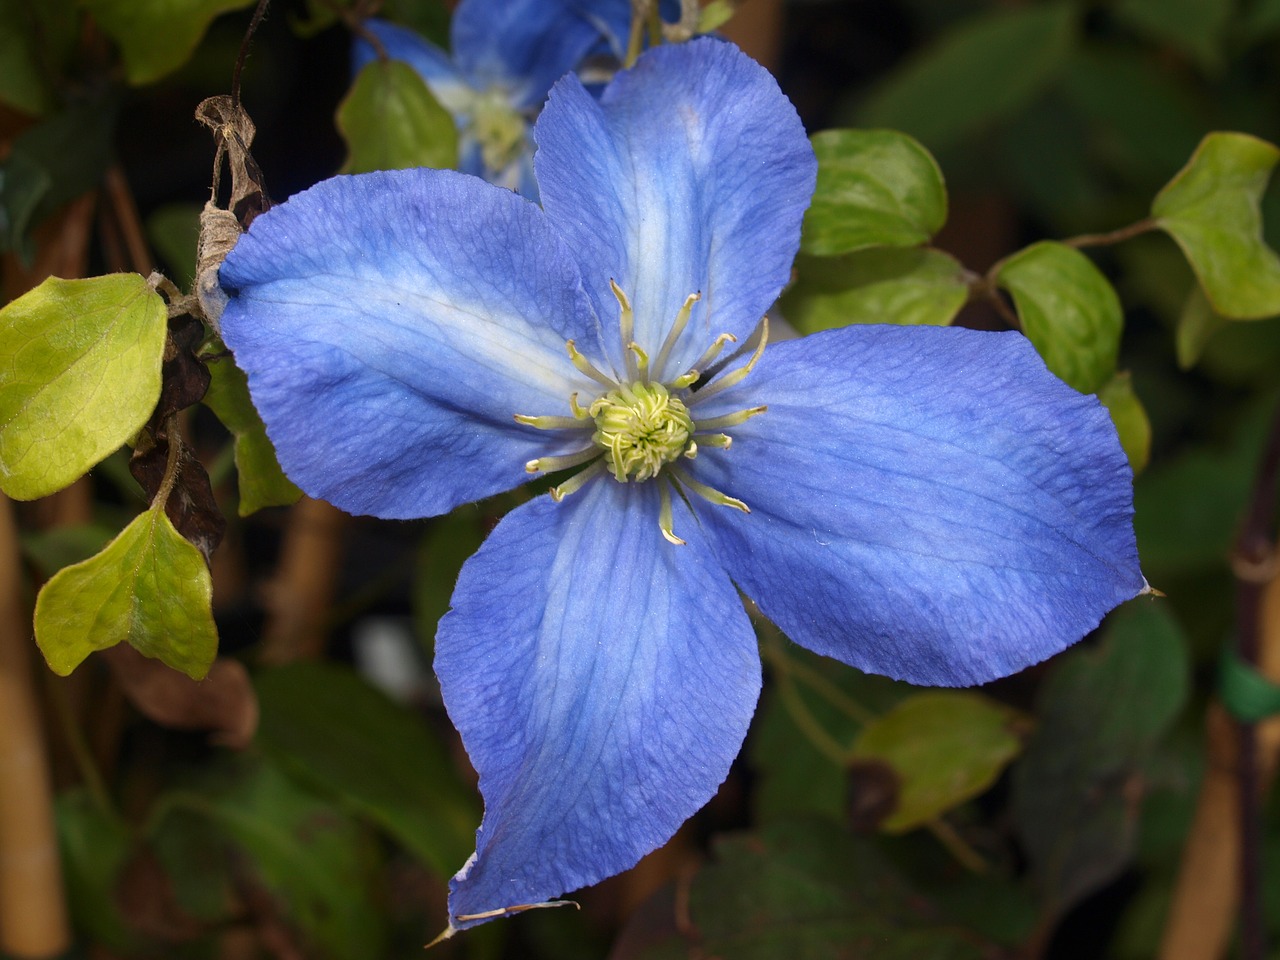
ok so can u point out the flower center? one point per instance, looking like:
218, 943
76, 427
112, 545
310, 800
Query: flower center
643, 422
499, 129
641, 427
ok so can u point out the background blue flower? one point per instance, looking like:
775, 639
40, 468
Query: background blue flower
927, 503
505, 55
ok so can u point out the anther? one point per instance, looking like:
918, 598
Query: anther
552, 423
551, 464
677, 328
576, 482
710, 494
626, 324
665, 522
729, 419
734, 377
585, 366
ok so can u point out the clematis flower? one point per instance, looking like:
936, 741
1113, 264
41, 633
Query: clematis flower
506, 55
927, 503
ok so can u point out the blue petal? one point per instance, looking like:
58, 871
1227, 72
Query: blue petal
927, 503
392, 324
602, 680
431, 63
691, 174
525, 46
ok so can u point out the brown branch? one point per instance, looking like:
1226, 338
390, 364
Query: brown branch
298, 598
126, 217
259, 12
33, 913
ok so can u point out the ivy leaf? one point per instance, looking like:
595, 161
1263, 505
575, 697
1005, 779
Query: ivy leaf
262, 482
1130, 418
881, 285
945, 747
1102, 712
875, 188
982, 71
391, 121
1211, 208
156, 36
1069, 311
79, 375
352, 742
149, 586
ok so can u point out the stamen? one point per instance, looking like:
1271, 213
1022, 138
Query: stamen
691, 451
708, 493
721, 440
688, 380
552, 423
576, 482
626, 324
713, 351
552, 464
734, 377
584, 366
578, 412
729, 419
665, 522
677, 328
518, 908
637, 358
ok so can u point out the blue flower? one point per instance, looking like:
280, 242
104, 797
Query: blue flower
506, 56
926, 503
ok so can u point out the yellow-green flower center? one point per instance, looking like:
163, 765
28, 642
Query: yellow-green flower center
640, 427
499, 128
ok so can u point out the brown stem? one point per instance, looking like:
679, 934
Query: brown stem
126, 217
300, 595
1112, 237
259, 12
33, 914
756, 27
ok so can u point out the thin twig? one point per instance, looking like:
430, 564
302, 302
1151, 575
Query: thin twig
259, 12
126, 216
1113, 236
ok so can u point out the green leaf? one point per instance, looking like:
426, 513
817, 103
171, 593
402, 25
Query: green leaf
979, 73
156, 36
34, 39
95, 849
875, 188
149, 587
1102, 712
1197, 28
1197, 323
391, 121
319, 866
79, 375
809, 891
1068, 309
882, 285
946, 747
57, 547
1211, 208
51, 163
262, 482
349, 740
1130, 419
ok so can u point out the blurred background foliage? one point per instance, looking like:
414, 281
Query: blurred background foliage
1045, 816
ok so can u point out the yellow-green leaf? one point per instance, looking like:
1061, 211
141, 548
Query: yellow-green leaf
875, 188
1211, 208
262, 482
148, 587
79, 375
1130, 418
881, 285
391, 121
1068, 309
946, 746
156, 36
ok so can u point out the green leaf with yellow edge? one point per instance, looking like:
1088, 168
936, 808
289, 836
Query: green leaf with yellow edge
881, 285
982, 71
149, 587
79, 375
156, 37
946, 746
1068, 310
1130, 418
391, 121
1211, 209
875, 188
262, 482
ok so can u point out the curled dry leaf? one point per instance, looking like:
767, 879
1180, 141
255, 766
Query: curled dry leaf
224, 703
